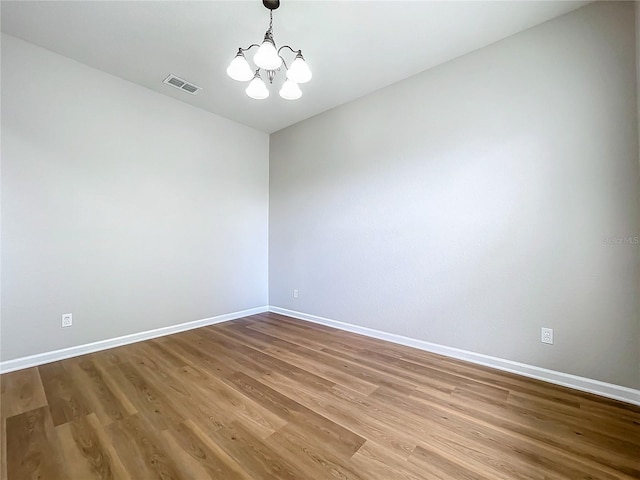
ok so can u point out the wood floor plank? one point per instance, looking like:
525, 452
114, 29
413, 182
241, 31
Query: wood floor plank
314, 458
88, 452
99, 395
446, 466
147, 397
165, 355
219, 404
262, 421
257, 350
323, 429
595, 456
233, 356
251, 361
337, 372
261, 336
201, 450
190, 466
187, 347
108, 358
376, 461
191, 389
21, 391
32, 446
563, 429
142, 450
459, 418
272, 397
610, 424
342, 407
255, 456
235, 469
65, 399
190, 400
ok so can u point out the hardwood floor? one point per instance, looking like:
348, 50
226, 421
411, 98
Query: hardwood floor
270, 397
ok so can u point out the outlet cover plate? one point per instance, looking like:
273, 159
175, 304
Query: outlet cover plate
546, 335
67, 320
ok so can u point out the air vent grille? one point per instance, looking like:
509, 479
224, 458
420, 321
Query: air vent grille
175, 82
182, 84
190, 88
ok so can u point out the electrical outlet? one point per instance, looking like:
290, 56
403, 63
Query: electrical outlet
295, 293
67, 320
546, 335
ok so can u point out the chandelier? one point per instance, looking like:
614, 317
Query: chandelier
268, 59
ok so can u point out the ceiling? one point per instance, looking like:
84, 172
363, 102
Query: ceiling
352, 47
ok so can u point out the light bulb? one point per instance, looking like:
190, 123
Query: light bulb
299, 71
290, 90
239, 68
257, 89
267, 56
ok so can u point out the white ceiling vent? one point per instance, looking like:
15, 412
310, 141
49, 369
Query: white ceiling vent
182, 84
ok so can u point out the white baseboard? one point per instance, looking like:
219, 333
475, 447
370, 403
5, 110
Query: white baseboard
584, 384
55, 355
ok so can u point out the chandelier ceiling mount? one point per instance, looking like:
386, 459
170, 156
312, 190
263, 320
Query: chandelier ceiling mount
271, 4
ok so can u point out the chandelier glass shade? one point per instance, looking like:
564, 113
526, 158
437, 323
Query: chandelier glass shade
290, 90
299, 71
257, 89
268, 58
239, 69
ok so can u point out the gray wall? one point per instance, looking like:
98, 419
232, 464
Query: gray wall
637, 14
469, 205
127, 208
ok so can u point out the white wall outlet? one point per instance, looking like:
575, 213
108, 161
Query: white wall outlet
546, 335
295, 293
67, 320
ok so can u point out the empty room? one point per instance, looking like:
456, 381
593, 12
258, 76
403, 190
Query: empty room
307, 240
